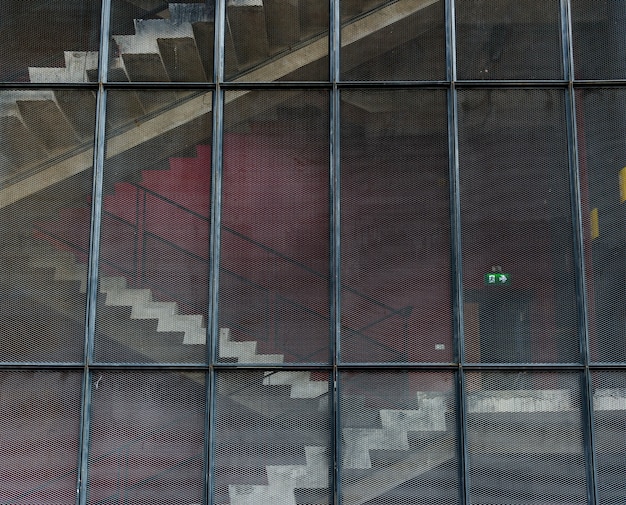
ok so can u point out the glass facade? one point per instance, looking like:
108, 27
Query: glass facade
296, 252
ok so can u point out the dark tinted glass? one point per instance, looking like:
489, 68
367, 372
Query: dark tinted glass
46, 157
602, 155
154, 253
598, 29
45, 41
39, 435
518, 267
609, 414
388, 40
276, 40
160, 42
147, 438
525, 438
395, 227
399, 438
508, 39
272, 438
275, 241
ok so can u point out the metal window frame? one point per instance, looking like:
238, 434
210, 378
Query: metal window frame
568, 84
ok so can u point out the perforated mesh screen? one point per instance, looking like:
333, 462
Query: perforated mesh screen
36, 36
399, 438
508, 39
525, 438
276, 40
272, 438
147, 438
274, 237
161, 42
411, 48
395, 227
43, 271
598, 30
518, 268
609, 411
603, 192
155, 234
39, 434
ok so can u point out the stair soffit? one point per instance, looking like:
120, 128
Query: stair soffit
182, 113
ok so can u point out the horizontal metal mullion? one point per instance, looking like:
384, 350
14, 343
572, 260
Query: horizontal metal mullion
499, 84
48, 86
522, 366
200, 86
39, 365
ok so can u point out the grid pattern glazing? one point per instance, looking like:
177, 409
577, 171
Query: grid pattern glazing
289, 252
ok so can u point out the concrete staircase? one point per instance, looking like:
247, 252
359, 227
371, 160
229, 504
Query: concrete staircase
47, 134
418, 439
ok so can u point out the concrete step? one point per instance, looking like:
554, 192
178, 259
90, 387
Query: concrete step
77, 67
143, 307
284, 479
393, 435
244, 352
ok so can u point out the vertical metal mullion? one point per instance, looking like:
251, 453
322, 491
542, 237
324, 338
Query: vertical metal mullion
214, 245
457, 287
94, 252
455, 250
334, 47
581, 298
579, 252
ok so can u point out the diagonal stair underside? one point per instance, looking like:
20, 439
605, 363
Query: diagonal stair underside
187, 109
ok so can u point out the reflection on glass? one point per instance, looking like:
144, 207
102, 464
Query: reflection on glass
508, 39
525, 438
39, 435
516, 225
602, 158
46, 158
395, 227
272, 437
46, 42
399, 438
161, 42
147, 437
393, 40
154, 253
274, 238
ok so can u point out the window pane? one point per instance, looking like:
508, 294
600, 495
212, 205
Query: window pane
387, 40
598, 29
602, 156
48, 41
399, 438
154, 41
276, 40
154, 251
525, 438
46, 154
39, 434
518, 268
395, 230
272, 438
508, 39
274, 261
609, 411
147, 438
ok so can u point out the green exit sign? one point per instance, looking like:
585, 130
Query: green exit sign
497, 279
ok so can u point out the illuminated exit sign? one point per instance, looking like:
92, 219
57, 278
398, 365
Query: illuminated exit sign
497, 279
